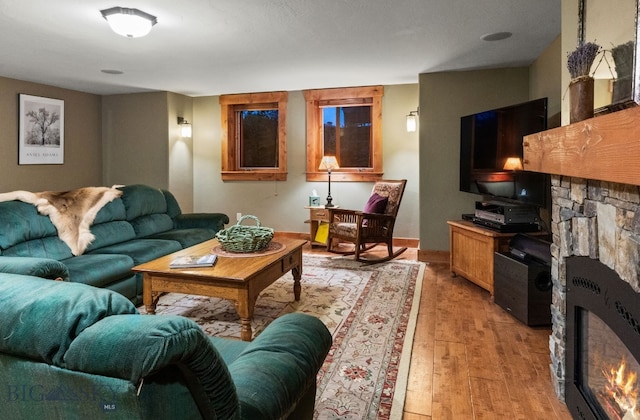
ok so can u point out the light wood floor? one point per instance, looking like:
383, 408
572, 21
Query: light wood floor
471, 359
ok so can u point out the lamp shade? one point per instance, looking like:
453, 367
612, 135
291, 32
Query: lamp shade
131, 23
513, 164
185, 130
329, 163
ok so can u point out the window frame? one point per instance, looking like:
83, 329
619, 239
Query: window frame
318, 98
230, 145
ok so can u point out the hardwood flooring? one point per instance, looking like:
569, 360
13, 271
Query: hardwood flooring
471, 359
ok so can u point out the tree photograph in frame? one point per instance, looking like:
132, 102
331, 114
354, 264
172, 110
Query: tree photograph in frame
41, 134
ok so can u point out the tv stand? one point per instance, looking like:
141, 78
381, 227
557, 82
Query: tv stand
472, 249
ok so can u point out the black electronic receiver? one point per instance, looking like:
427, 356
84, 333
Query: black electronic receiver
506, 213
507, 227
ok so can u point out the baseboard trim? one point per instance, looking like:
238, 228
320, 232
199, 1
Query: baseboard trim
433, 256
397, 242
294, 235
406, 242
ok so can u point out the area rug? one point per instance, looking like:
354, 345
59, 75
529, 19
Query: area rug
370, 311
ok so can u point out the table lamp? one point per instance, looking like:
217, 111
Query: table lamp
329, 163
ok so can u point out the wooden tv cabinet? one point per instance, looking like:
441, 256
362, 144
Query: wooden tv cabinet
472, 249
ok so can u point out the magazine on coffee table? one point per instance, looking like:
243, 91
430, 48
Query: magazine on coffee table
188, 261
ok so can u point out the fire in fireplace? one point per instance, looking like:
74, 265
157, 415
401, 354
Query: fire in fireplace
619, 395
607, 375
603, 337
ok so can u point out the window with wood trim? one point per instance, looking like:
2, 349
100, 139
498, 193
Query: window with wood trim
254, 136
346, 123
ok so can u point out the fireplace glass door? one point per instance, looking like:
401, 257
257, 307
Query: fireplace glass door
607, 372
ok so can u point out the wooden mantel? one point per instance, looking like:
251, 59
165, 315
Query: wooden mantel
605, 148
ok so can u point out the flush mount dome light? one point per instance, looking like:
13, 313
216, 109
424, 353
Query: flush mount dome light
132, 23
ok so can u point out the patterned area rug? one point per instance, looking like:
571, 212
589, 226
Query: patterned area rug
370, 311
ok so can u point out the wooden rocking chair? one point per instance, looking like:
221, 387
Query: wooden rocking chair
370, 227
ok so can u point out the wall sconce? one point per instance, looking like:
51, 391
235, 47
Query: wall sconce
132, 23
329, 163
185, 127
412, 121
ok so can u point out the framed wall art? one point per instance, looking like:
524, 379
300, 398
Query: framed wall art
41, 131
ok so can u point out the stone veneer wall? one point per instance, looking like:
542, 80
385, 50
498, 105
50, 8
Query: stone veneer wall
591, 218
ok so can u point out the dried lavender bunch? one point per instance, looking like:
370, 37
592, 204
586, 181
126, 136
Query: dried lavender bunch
580, 60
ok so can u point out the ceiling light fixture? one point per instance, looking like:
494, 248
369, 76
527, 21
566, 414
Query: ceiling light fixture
132, 23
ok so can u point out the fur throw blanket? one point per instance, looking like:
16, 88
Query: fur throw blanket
71, 212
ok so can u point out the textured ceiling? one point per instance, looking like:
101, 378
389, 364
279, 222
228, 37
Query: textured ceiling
211, 47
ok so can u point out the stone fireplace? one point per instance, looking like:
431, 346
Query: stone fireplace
595, 219
595, 214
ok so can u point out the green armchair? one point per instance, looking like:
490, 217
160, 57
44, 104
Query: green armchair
70, 350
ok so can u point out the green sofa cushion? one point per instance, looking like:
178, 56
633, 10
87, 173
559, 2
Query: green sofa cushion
110, 233
173, 208
186, 237
112, 211
141, 200
26, 233
135, 346
141, 250
20, 222
46, 268
41, 318
146, 209
49, 247
150, 224
215, 221
98, 270
283, 359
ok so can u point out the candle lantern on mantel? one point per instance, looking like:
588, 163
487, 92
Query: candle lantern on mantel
581, 87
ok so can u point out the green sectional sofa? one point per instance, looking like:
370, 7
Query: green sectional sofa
144, 223
71, 351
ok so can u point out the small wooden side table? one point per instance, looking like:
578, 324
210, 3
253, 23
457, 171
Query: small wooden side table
317, 215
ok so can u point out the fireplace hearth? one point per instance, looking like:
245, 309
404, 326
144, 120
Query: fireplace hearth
603, 342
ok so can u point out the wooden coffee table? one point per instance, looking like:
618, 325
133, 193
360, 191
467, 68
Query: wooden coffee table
237, 278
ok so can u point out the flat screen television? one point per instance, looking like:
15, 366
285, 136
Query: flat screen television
488, 139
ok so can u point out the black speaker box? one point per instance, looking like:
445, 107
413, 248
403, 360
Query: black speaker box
523, 288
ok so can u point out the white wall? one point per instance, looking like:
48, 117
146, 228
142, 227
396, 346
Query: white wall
280, 205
